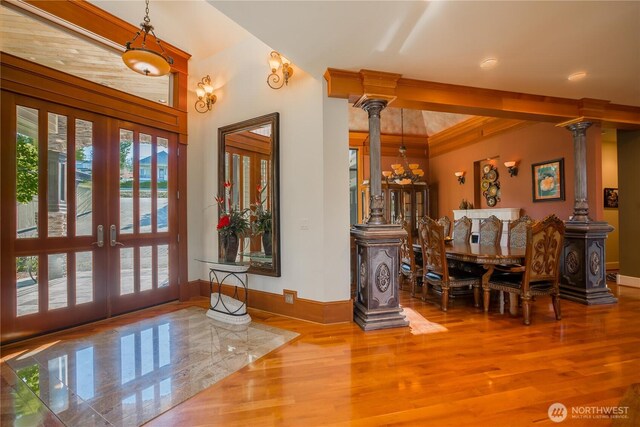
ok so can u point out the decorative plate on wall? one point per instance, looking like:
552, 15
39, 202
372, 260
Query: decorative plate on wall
490, 185
492, 175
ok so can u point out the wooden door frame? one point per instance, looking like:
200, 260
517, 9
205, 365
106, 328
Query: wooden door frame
21, 77
44, 245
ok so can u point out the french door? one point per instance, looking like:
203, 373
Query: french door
88, 216
142, 232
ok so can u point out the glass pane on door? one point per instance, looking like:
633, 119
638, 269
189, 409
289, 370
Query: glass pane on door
126, 181
84, 177
146, 173
146, 268
27, 292
126, 271
163, 266
58, 283
84, 277
162, 156
27, 173
57, 175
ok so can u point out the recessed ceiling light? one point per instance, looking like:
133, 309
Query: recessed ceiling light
488, 63
577, 76
164, 101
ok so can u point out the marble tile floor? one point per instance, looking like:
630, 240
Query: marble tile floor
131, 374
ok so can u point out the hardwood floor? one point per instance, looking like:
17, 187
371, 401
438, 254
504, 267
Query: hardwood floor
484, 370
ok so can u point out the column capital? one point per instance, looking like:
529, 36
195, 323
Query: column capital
579, 128
373, 104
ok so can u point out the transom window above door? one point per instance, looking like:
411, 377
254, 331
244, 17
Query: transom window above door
65, 51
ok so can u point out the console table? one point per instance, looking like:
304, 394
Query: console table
228, 309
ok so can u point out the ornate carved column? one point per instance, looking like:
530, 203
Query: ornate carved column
581, 204
583, 258
373, 107
377, 257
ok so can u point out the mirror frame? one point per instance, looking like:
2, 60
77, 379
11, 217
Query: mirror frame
272, 119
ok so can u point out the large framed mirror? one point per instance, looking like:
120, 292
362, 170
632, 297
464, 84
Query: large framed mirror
248, 176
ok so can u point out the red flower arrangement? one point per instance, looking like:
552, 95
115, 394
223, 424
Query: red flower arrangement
232, 220
224, 221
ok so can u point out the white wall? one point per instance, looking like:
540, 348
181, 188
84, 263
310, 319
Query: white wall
313, 170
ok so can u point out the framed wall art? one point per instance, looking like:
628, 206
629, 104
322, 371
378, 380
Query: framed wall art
611, 198
548, 180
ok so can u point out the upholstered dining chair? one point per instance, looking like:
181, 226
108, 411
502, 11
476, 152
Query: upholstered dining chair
434, 259
445, 222
490, 231
540, 273
408, 268
517, 237
462, 230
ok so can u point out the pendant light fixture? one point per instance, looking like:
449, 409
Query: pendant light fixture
405, 172
143, 60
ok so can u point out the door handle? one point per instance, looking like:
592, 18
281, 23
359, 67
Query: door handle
100, 242
112, 236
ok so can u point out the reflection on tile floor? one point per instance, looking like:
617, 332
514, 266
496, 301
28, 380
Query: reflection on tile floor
130, 374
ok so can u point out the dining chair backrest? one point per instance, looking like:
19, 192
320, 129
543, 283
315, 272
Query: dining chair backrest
445, 222
434, 258
517, 237
490, 231
542, 255
406, 246
462, 230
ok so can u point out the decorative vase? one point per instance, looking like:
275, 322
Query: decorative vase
231, 248
267, 243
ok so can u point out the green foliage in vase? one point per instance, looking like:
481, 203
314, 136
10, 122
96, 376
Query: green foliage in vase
260, 216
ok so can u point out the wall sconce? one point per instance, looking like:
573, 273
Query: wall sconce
277, 63
206, 98
460, 176
512, 168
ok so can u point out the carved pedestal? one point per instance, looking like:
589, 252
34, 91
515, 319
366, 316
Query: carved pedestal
377, 253
583, 275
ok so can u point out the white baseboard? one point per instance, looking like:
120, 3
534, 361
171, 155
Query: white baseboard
630, 281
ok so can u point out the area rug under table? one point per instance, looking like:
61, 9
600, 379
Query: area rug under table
131, 374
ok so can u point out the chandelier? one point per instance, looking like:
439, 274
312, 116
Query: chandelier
146, 61
402, 171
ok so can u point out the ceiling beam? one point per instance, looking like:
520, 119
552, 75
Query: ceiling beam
432, 96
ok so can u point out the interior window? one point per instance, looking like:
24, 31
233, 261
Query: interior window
46, 44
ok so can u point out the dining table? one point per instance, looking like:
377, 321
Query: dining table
488, 256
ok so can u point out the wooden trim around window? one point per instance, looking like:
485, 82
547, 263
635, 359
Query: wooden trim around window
91, 19
40, 82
